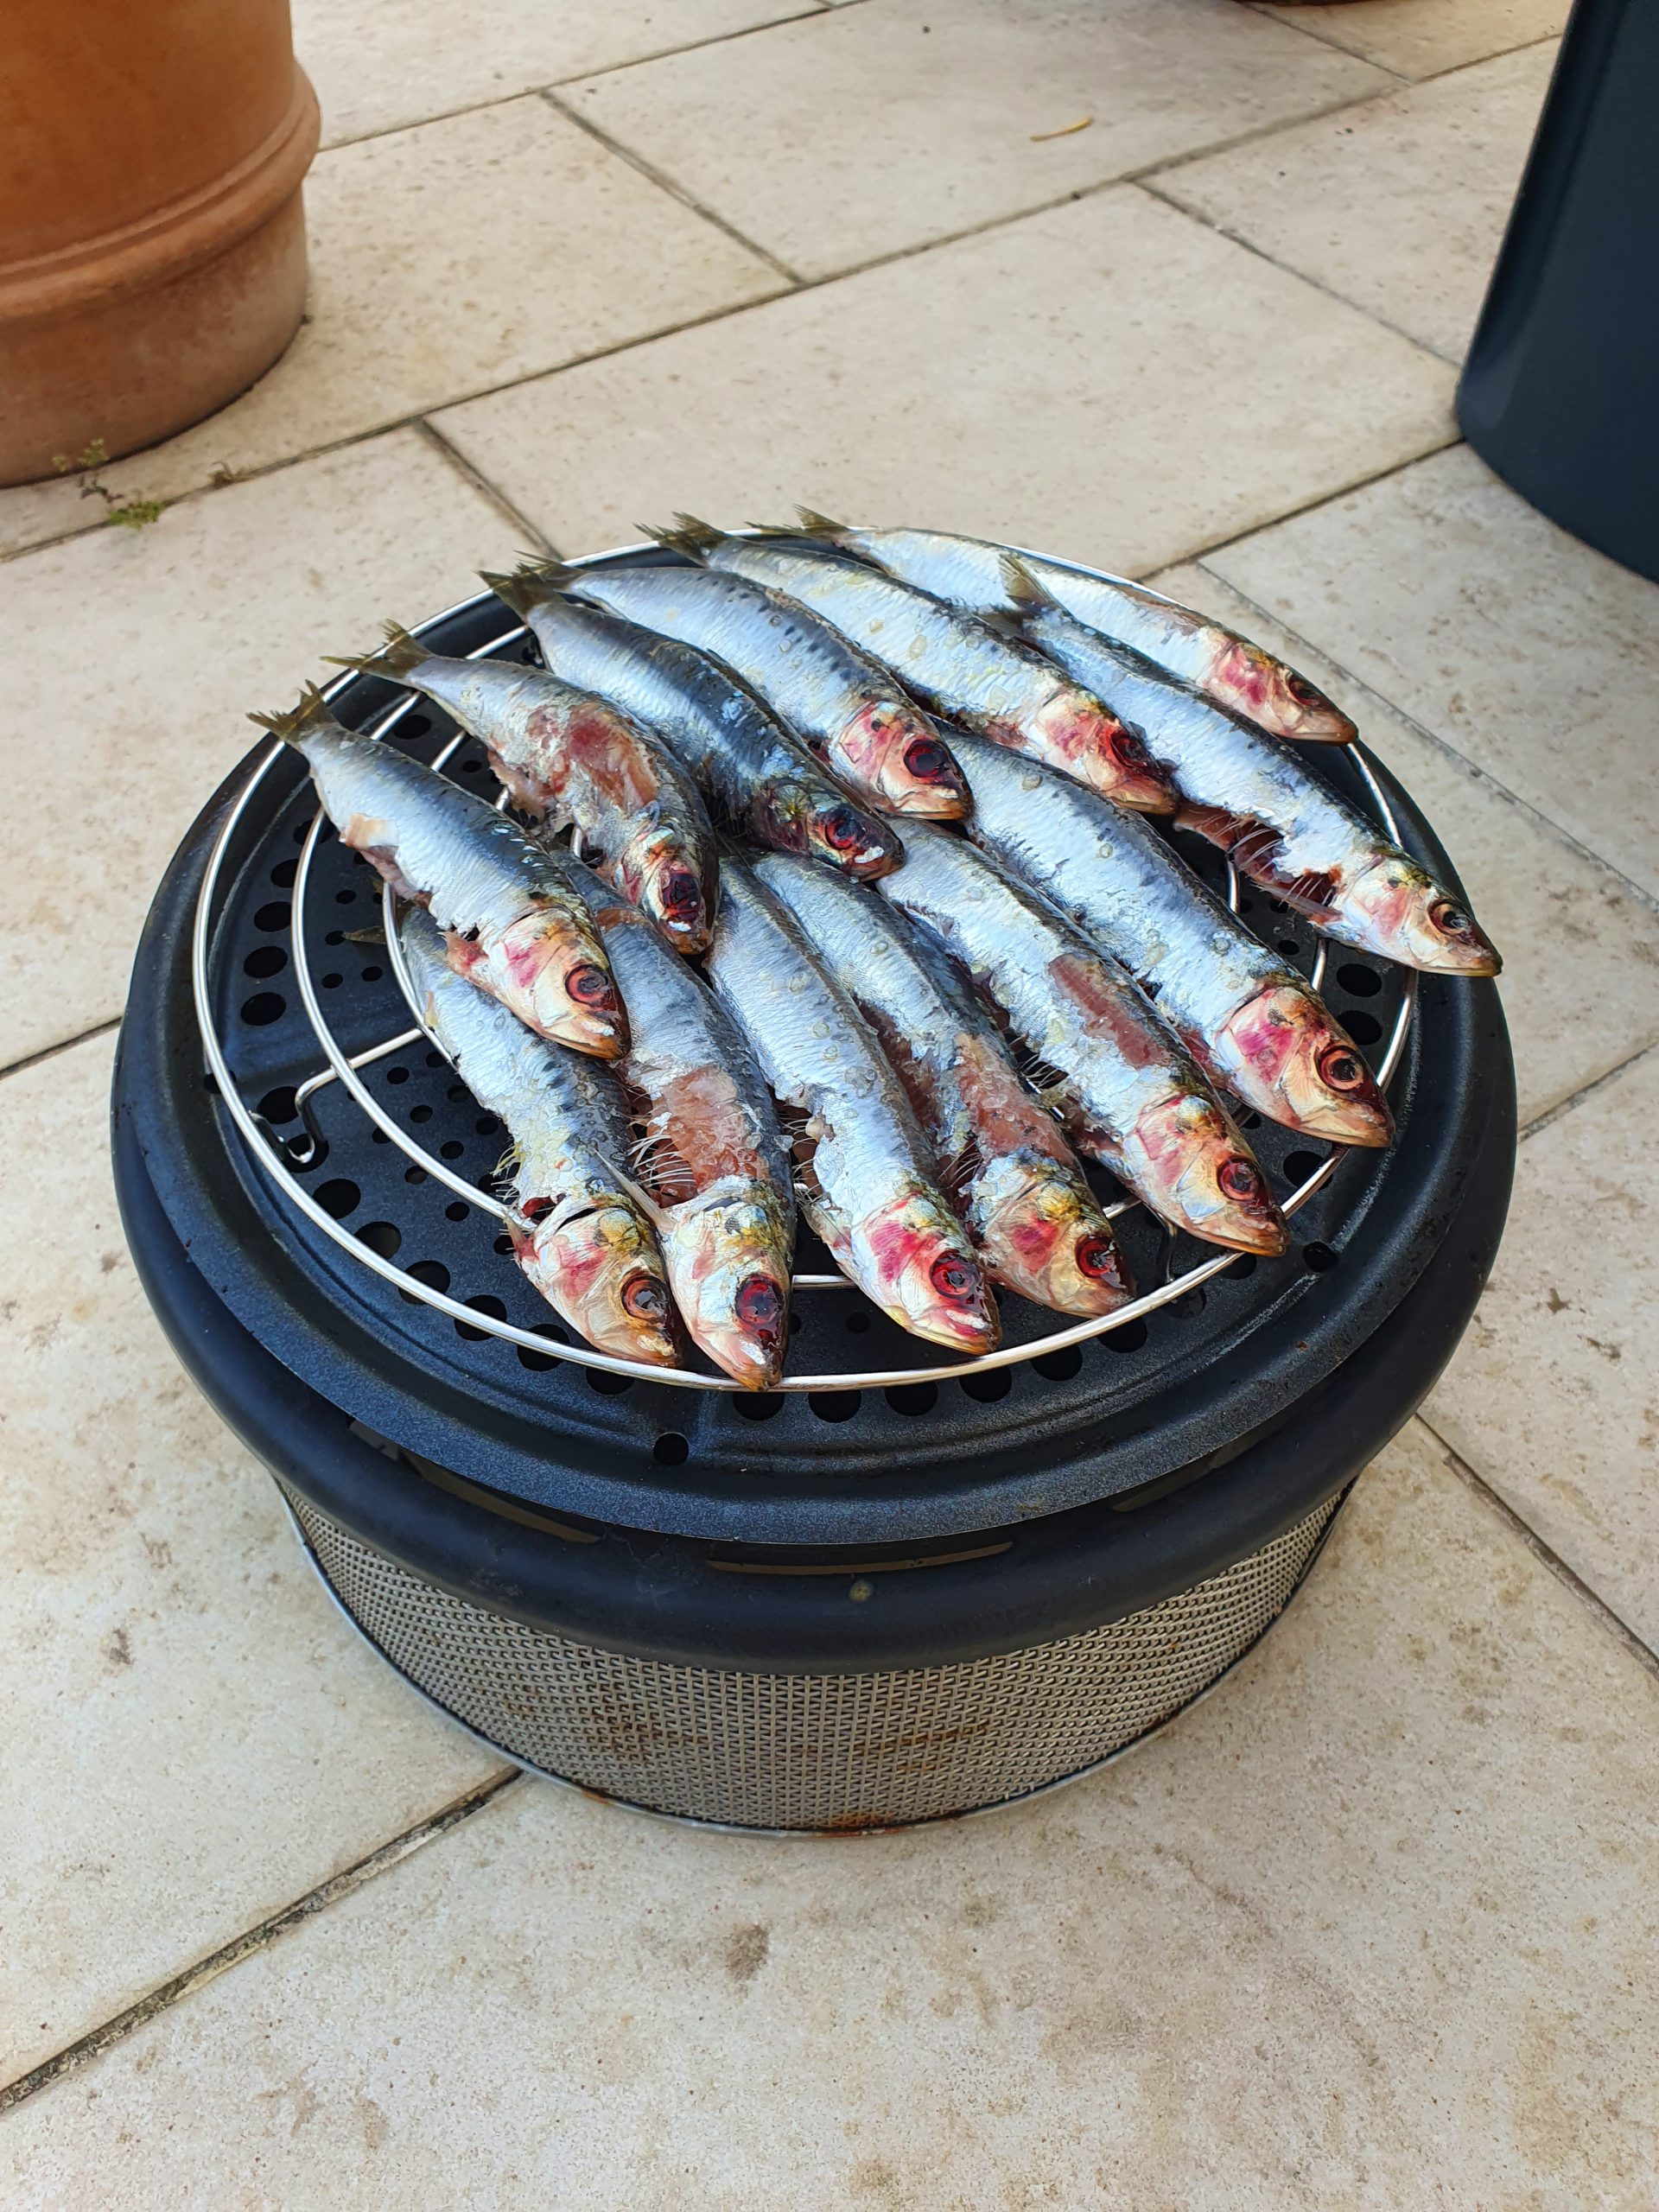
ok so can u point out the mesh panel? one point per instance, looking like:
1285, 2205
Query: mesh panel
809, 1751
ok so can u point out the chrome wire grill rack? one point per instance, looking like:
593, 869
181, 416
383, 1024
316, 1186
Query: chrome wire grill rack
342, 1064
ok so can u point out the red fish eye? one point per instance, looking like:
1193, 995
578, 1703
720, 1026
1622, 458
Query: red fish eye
1450, 921
1302, 691
760, 1306
644, 1297
1239, 1180
927, 759
590, 986
842, 829
536, 1208
953, 1278
1342, 1069
1130, 747
681, 894
1097, 1256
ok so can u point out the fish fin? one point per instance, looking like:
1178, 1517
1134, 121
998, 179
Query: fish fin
535, 579
688, 535
957, 1173
401, 654
313, 713
813, 525
1027, 594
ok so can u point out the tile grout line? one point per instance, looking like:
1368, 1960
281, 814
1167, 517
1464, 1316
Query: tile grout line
1306, 30
1432, 77
162, 1999
64, 1044
483, 485
1619, 1629
1574, 1099
1482, 775
665, 182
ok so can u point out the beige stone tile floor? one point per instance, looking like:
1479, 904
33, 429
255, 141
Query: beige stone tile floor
1374, 1926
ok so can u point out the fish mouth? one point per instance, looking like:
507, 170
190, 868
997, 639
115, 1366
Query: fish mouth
1188, 1161
1281, 1054
673, 898
1301, 710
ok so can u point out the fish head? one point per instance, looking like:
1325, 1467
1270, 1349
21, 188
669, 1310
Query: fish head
897, 756
1276, 698
601, 1268
727, 1253
550, 968
663, 880
915, 1259
1043, 1234
856, 843
1283, 1054
1083, 737
1200, 1175
1397, 909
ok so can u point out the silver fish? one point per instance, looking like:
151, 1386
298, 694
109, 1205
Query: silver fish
1126, 1087
515, 924
1247, 1017
578, 1229
968, 573
868, 1187
1021, 1189
711, 1154
762, 776
953, 661
843, 703
575, 761
1278, 821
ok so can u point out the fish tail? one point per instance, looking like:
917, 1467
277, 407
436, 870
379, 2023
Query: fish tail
688, 535
1027, 594
533, 580
400, 655
312, 714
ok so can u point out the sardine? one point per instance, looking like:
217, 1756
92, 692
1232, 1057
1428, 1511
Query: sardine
1215, 660
1247, 1017
845, 705
514, 923
578, 1230
1125, 1086
953, 661
710, 1153
574, 760
762, 777
1278, 821
867, 1182
1018, 1185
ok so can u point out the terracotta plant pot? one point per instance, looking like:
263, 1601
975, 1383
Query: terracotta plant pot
152, 244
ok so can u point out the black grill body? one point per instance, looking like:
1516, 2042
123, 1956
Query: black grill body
634, 1587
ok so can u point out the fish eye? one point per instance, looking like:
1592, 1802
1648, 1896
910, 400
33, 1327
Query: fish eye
1097, 1255
645, 1298
842, 827
1304, 693
1449, 918
1341, 1067
1130, 746
589, 986
760, 1306
953, 1278
927, 759
1239, 1179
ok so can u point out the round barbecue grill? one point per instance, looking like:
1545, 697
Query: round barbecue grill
903, 1586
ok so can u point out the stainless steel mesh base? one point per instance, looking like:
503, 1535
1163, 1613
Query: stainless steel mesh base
810, 1751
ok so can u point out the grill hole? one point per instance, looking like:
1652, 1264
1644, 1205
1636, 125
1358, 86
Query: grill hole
456, 1093
379, 1136
486, 1125
265, 960
1287, 945
264, 1007
381, 1236
419, 1113
435, 1059
334, 937
484, 1304
1242, 1268
275, 914
913, 1398
1188, 1306
1362, 983
279, 1105
451, 1149
458, 1210
432, 1273
1318, 1259
1247, 1117
414, 726
397, 1075
346, 898
338, 1197
834, 1405
540, 1362
985, 1389
373, 975
297, 833
1129, 1338
858, 1320
1059, 1366
284, 873
504, 1245
608, 1386
414, 1174
670, 1450
1364, 1028
1299, 1166
757, 1405
332, 981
